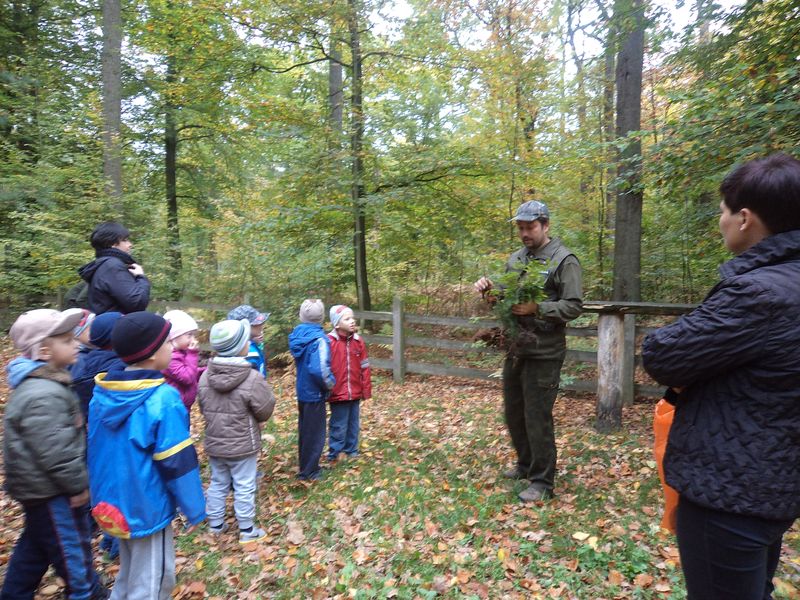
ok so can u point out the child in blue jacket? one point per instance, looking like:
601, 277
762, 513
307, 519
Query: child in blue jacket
256, 353
310, 348
142, 462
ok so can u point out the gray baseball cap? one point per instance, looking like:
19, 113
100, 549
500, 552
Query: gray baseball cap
531, 211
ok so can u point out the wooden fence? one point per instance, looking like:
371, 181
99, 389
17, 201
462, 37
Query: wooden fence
616, 356
616, 334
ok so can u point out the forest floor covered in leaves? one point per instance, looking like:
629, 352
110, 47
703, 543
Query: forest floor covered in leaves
424, 512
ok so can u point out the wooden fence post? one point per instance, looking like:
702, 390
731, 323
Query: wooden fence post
628, 359
610, 358
398, 341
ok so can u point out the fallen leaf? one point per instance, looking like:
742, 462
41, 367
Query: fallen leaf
295, 535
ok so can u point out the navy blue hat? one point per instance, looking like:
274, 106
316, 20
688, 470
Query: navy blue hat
139, 335
100, 329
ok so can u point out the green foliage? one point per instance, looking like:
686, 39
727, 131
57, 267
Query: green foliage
518, 286
468, 113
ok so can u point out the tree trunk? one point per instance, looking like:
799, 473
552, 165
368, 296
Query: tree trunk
112, 102
357, 161
628, 225
170, 173
607, 210
585, 180
335, 90
703, 10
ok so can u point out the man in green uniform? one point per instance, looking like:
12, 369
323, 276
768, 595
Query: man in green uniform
532, 368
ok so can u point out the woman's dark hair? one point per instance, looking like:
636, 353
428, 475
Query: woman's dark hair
108, 234
770, 187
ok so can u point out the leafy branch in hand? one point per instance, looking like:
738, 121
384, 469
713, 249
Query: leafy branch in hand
517, 286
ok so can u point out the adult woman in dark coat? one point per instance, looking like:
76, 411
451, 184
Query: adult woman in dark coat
116, 282
734, 447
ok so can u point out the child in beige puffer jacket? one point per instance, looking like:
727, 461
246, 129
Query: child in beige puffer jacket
234, 399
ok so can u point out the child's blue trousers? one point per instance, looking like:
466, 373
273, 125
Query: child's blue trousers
310, 437
343, 428
59, 535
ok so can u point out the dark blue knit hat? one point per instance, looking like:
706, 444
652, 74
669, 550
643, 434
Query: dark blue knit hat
139, 335
100, 329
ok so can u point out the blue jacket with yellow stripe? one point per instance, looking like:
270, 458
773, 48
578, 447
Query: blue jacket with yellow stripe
142, 461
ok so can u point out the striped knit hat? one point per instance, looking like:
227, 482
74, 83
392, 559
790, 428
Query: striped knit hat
139, 335
337, 312
85, 323
229, 337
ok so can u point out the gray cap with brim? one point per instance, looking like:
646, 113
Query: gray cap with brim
531, 211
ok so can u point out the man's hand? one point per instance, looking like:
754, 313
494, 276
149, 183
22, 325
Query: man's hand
136, 269
79, 499
526, 308
483, 285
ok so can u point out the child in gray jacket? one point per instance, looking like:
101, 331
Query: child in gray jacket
234, 400
44, 451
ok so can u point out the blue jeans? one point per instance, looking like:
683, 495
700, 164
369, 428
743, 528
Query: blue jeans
343, 428
59, 535
310, 437
726, 556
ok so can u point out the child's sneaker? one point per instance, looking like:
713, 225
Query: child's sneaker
256, 534
218, 529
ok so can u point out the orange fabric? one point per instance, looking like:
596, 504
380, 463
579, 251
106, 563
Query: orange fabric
111, 520
662, 421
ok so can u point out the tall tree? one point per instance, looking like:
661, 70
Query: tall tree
112, 101
335, 87
629, 20
357, 157
629, 17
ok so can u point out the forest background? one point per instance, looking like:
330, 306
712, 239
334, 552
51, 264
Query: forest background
356, 149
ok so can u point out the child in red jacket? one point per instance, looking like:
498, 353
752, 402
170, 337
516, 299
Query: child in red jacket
350, 367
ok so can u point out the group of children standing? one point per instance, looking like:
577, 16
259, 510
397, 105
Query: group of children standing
331, 367
135, 378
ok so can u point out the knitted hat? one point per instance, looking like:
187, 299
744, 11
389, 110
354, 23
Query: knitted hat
312, 311
85, 323
100, 336
229, 337
337, 312
139, 335
32, 327
181, 323
245, 311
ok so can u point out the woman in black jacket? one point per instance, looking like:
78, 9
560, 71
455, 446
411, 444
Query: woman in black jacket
734, 447
116, 281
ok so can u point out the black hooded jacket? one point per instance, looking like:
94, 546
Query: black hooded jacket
735, 442
112, 287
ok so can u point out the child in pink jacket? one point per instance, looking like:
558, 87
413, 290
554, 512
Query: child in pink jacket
183, 372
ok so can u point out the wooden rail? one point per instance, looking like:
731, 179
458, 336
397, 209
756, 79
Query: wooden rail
616, 357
